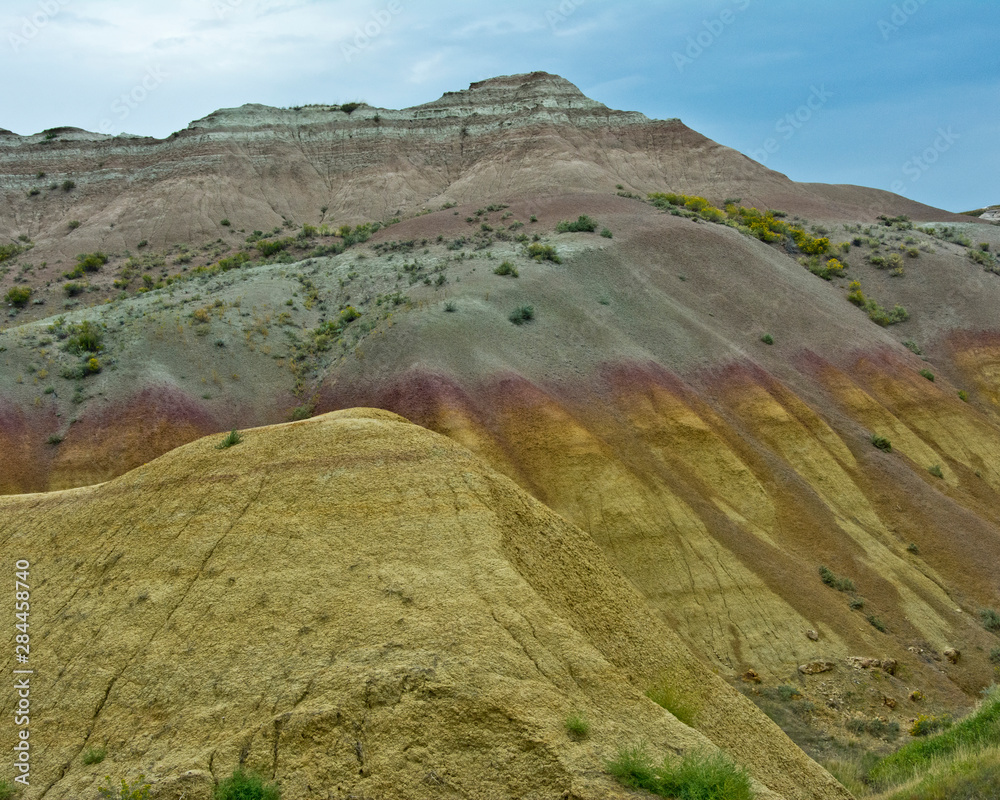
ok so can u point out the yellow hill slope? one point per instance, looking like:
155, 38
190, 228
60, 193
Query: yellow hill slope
351, 606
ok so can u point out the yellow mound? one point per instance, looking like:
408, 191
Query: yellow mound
350, 606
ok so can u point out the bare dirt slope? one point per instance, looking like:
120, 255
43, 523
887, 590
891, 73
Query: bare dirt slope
350, 606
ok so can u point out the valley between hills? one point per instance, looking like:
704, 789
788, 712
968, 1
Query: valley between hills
555, 430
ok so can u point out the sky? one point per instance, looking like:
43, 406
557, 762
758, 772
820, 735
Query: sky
900, 95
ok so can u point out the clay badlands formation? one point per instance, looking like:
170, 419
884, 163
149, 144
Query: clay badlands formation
497, 471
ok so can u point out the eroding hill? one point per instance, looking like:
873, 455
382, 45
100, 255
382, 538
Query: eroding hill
350, 606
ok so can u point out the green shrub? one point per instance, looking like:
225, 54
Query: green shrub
583, 224
696, 777
577, 726
450, 306
87, 337
913, 347
73, 289
136, 791
7, 790
225, 223
506, 268
18, 296
876, 623
882, 443
963, 395
90, 262
8, 251
990, 619
92, 755
349, 314
767, 338
68, 185
543, 252
926, 373
522, 314
349, 108
232, 438
268, 247
995, 655
840, 584
605, 232
245, 786
935, 470
73, 224
873, 727
925, 725
857, 603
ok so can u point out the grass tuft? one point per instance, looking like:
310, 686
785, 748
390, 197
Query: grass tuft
669, 697
233, 437
577, 726
522, 314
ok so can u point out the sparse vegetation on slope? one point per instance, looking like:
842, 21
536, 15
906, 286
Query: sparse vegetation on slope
696, 776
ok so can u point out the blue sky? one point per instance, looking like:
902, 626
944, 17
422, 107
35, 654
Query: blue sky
901, 95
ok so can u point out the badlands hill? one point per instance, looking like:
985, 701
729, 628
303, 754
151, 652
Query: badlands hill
352, 606
717, 416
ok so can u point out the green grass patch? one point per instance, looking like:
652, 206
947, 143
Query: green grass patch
245, 786
668, 696
978, 731
577, 726
94, 755
697, 776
